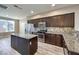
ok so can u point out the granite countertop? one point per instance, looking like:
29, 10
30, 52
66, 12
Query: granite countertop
70, 39
26, 36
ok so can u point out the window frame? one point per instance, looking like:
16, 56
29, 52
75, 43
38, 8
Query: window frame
8, 25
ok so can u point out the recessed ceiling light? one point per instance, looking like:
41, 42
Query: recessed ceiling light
53, 5
32, 11
7, 15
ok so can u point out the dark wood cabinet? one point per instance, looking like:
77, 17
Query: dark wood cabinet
50, 39
57, 21
64, 20
54, 39
33, 22
47, 20
69, 20
58, 40
36, 23
33, 45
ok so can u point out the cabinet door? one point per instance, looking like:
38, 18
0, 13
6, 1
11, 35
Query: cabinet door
53, 21
48, 21
33, 45
53, 39
14, 41
50, 39
47, 38
58, 40
60, 21
57, 21
69, 20
29, 21
35, 23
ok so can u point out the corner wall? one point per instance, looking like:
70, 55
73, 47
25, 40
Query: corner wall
17, 26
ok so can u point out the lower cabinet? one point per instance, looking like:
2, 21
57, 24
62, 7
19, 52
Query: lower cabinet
58, 40
49, 40
54, 39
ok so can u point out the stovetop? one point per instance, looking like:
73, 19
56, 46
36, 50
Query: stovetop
42, 31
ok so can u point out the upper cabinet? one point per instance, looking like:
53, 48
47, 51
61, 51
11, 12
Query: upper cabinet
35, 22
57, 21
69, 20
65, 20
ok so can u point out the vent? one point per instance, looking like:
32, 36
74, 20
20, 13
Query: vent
17, 7
3, 6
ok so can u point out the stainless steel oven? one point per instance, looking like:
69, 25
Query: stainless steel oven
41, 37
41, 32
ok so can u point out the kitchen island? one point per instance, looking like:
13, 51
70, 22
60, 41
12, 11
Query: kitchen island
25, 44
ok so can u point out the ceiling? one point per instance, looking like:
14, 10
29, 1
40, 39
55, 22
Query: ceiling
24, 10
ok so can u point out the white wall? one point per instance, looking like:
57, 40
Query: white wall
71, 9
22, 26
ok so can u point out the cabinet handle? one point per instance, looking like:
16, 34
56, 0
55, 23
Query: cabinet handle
30, 43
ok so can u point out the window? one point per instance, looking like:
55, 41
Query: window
11, 26
7, 26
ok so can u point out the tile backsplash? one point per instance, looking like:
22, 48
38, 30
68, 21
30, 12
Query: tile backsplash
60, 29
